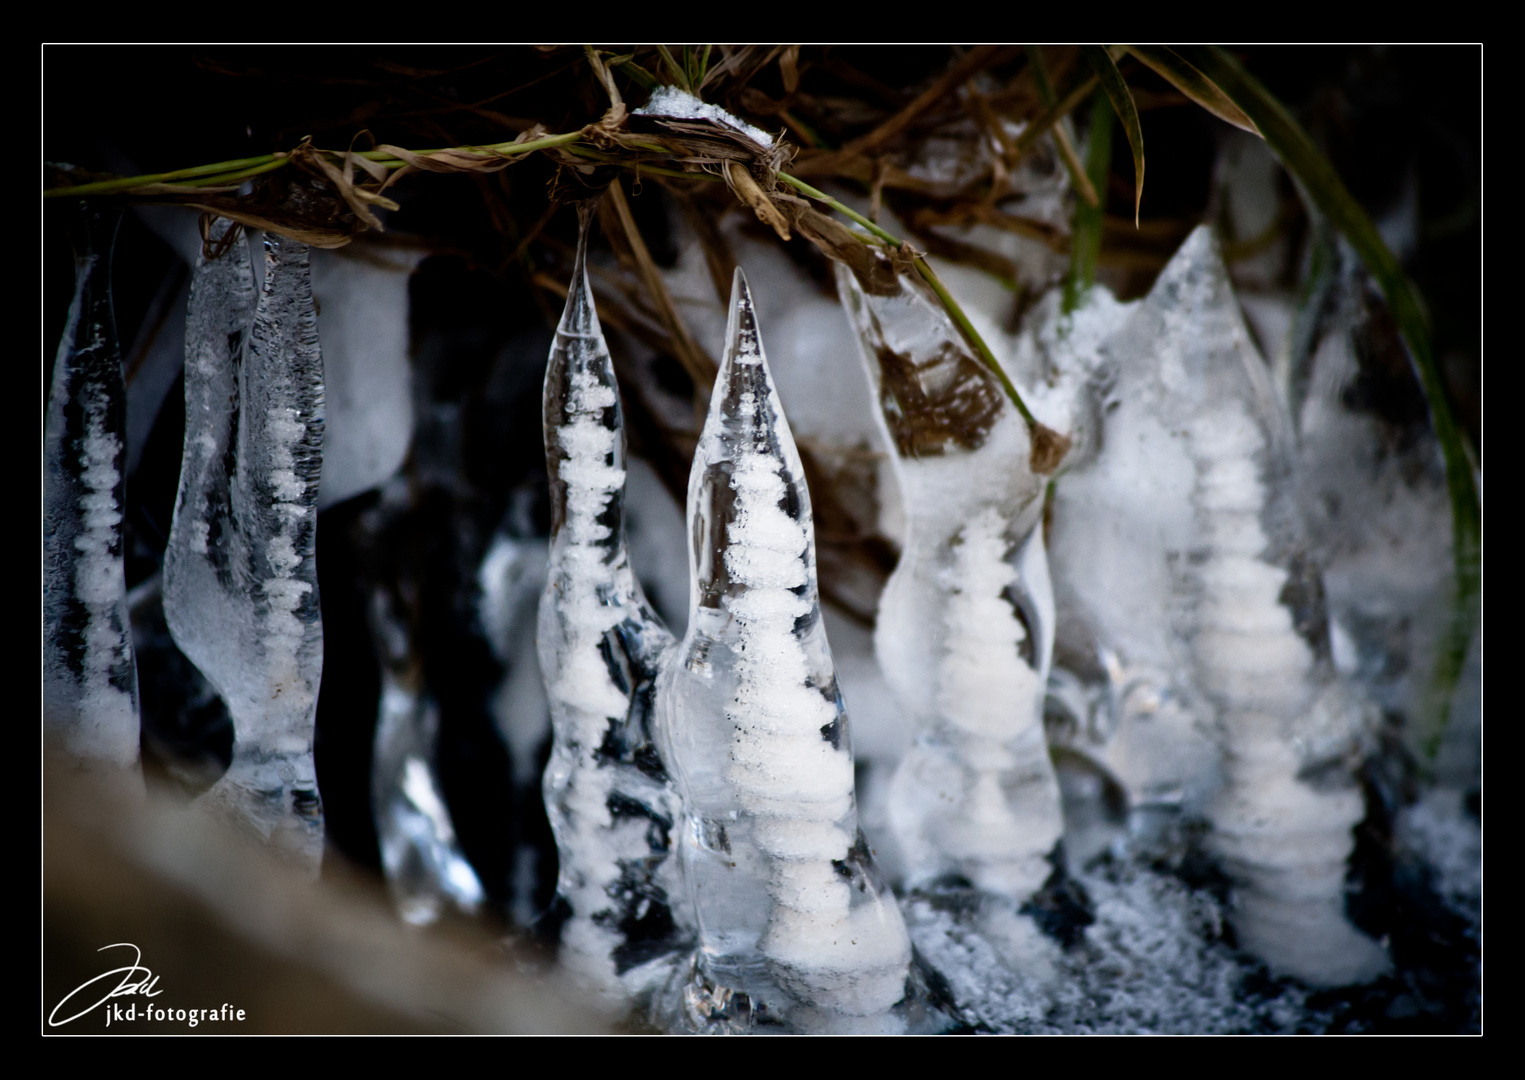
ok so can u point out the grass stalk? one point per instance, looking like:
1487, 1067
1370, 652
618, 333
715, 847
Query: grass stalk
928, 275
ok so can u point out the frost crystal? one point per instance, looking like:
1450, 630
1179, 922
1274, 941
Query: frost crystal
795, 924
90, 685
610, 802
966, 622
240, 580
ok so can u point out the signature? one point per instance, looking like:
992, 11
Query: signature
135, 979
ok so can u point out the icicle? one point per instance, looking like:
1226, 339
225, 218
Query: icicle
966, 622
424, 866
241, 590
793, 917
1218, 610
90, 685
611, 804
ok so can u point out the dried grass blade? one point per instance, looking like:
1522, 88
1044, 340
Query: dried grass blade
1168, 64
960, 73
1050, 117
673, 67
749, 192
1067, 152
700, 367
1127, 111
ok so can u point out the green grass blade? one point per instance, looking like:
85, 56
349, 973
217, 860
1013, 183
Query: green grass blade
1085, 234
1318, 177
1122, 103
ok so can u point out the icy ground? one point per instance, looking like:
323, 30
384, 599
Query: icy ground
1158, 959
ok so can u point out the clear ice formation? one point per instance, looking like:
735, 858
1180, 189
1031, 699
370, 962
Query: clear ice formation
611, 804
1183, 558
795, 924
966, 622
90, 684
240, 580
424, 866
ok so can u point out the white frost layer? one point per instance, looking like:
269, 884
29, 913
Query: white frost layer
681, 105
1153, 963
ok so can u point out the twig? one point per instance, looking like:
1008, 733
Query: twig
950, 80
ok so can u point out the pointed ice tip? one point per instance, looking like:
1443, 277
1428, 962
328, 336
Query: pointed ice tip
579, 318
1196, 273
742, 343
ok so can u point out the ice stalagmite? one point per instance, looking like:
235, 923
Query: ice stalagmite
90, 685
607, 792
240, 582
1240, 616
966, 622
795, 924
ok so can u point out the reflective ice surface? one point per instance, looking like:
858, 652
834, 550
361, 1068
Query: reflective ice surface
240, 580
611, 804
90, 689
795, 923
965, 628
1183, 562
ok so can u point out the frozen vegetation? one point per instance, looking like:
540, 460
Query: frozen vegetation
1116, 730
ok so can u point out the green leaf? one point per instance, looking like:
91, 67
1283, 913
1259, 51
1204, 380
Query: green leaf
1168, 64
1122, 103
1323, 186
1085, 234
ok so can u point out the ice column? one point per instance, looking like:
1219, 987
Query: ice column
966, 622
424, 865
793, 918
90, 684
1255, 632
240, 582
611, 804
